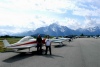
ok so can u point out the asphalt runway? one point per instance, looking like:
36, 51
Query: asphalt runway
81, 52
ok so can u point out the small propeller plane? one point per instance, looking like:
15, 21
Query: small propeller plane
60, 40
25, 43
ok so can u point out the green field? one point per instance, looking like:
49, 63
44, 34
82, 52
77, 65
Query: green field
10, 40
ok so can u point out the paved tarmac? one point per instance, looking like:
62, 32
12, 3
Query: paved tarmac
82, 52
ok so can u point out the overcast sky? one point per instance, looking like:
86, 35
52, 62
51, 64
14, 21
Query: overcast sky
22, 15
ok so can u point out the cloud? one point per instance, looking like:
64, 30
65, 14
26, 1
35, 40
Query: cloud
73, 23
41, 5
90, 22
87, 7
24, 15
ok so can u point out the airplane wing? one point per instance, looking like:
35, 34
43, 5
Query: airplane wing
57, 41
22, 46
60, 40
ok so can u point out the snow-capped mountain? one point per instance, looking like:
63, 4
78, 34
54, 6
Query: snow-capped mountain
54, 30
93, 29
58, 30
90, 30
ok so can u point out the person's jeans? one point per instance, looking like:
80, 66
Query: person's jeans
48, 47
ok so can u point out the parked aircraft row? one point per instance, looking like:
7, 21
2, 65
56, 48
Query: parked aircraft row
29, 41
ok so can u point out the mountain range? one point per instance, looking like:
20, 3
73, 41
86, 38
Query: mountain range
58, 30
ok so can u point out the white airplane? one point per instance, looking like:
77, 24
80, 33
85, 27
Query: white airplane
60, 40
27, 42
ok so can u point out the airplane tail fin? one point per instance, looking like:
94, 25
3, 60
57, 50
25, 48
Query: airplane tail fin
6, 43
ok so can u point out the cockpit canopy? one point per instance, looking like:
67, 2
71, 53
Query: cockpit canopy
26, 38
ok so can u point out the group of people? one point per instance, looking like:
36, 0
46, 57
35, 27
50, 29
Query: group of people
47, 45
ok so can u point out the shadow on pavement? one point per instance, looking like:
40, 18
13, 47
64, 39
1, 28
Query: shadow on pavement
52, 56
64, 45
24, 55
20, 56
59, 46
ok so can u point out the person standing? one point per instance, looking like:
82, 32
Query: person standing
39, 44
48, 45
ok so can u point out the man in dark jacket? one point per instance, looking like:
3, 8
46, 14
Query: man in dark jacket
39, 44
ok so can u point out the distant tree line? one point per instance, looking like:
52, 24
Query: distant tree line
8, 36
82, 35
